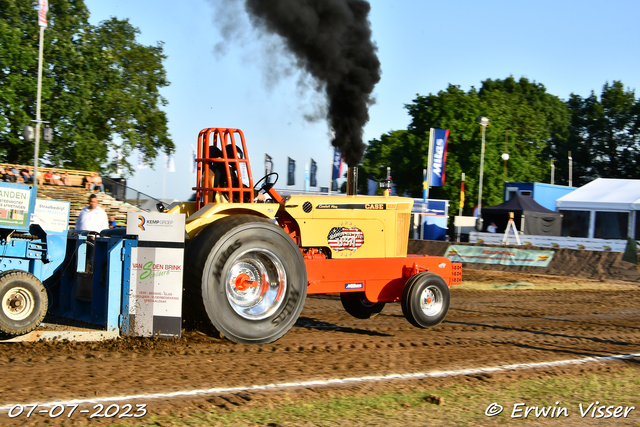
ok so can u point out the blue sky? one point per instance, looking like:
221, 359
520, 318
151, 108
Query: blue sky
568, 46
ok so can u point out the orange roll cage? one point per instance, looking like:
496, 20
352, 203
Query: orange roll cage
222, 138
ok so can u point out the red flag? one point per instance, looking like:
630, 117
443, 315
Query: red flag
42, 13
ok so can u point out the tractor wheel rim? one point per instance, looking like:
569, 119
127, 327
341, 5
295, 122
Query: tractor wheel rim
431, 301
259, 296
18, 303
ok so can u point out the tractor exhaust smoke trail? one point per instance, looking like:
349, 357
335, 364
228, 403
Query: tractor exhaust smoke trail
331, 40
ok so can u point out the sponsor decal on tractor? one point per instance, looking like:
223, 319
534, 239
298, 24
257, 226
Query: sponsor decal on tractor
347, 238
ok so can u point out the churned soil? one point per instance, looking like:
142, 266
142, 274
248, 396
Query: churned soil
483, 328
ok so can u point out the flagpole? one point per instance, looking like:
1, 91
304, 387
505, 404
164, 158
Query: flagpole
424, 185
461, 195
307, 186
429, 163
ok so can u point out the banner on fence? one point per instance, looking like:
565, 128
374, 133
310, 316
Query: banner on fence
555, 242
504, 256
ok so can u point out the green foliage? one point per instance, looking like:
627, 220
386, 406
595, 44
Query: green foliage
389, 152
98, 85
604, 136
520, 111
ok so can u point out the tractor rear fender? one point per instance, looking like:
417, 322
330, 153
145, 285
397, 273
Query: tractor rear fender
216, 211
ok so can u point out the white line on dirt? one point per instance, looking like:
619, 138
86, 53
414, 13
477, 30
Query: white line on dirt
336, 381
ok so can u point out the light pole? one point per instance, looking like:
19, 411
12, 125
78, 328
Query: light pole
505, 155
42, 23
570, 170
484, 122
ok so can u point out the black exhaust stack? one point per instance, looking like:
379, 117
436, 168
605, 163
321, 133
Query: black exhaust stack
352, 181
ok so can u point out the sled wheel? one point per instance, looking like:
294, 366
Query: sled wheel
247, 277
357, 305
425, 300
23, 302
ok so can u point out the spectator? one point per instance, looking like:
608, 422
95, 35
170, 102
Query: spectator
86, 181
492, 228
112, 222
56, 179
92, 217
48, 177
10, 176
16, 172
27, 176
17, 175
6, 175
66, 179
96, 181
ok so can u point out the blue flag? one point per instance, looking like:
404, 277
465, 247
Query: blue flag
291, 176
439, 156
314, 169
337, 165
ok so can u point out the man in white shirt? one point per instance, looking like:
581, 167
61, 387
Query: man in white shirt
92, 217
492, 228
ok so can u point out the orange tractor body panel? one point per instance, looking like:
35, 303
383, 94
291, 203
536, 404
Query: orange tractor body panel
381, 279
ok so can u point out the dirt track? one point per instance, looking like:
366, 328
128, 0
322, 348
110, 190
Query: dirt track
483, 328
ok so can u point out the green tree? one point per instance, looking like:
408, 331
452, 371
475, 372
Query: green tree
388, 152
99, 86
532, 119
457, 111
604, 136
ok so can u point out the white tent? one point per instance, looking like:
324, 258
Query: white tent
604, 194
603, 208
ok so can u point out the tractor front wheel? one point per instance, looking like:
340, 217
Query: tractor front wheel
247, 277
425, 300
357, 305
23, 302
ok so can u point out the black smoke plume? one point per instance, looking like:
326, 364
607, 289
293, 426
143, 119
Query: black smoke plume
331, 39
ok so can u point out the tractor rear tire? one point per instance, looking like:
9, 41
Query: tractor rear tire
357, 305
23, 302
247, 277
425, 300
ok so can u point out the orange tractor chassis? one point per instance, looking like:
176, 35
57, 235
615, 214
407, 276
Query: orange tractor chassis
381, 279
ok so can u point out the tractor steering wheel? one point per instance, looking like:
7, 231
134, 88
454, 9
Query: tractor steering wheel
259, 186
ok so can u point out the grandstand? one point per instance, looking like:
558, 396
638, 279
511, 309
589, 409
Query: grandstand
78, 196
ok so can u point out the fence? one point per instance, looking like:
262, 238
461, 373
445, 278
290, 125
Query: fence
119, 190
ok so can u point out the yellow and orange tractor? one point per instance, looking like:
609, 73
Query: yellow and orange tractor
250, 265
